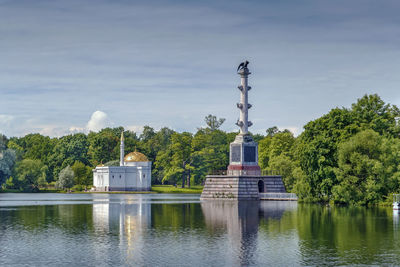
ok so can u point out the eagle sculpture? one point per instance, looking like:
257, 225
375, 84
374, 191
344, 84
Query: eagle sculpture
243, 65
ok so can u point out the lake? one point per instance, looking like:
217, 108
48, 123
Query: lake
179, 230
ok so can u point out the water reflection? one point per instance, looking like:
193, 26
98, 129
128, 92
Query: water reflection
154, 230
241, 221
275, 209
127, 218
128, 221
396, 220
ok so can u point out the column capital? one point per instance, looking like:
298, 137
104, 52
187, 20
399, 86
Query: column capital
244, 72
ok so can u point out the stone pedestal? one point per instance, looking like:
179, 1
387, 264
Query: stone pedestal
240, 187
243, 157
230, 188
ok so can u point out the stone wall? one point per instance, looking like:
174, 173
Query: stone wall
230, 188
120, 189
273, 184
239, 187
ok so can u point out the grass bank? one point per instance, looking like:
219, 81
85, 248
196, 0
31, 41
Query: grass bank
170, 189
10, 191
162, 189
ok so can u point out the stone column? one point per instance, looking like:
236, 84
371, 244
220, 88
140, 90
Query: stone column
244, 106
243, 158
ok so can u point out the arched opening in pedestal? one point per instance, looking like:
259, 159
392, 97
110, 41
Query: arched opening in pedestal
260, 186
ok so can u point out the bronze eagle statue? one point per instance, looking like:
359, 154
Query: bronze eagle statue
243, 65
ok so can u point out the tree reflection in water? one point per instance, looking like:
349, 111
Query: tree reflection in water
241, 221
159, 230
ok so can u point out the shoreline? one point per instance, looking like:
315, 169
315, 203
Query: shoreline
156, 189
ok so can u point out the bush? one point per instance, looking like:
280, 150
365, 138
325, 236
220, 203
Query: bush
78, 187
65, 178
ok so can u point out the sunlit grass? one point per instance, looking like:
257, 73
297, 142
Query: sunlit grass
166, 189
195, 189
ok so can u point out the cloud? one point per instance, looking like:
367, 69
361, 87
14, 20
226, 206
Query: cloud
157, 54
295, 130
6, 119
77, 129
135, 128
52, 130
98, 121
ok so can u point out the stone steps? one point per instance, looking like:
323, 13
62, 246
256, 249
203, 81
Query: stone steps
274, 185
239, 187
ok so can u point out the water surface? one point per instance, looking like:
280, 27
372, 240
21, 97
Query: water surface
179, 230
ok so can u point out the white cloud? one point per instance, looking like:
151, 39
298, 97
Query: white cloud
98, 121
135, 128
51, 130
20, 126
295, 130
77, 129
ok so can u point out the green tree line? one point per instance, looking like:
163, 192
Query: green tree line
34, 161
349, 155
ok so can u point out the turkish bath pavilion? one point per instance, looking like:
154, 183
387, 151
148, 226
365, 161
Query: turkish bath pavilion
133, 174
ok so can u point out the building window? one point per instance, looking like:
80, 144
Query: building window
120, 176
113, 176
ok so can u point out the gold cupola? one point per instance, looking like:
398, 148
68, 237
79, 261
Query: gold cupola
135, 157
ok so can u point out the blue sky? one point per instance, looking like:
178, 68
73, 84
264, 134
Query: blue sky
68, 66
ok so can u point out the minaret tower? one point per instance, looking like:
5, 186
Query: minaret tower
243, 158
122, 150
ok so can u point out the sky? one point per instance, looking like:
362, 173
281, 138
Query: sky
70, 66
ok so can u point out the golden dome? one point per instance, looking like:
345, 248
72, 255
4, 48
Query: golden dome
135, 157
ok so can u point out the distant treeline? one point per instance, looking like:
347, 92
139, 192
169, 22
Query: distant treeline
350, 155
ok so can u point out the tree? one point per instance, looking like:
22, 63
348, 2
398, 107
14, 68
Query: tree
3, 142
176, 160
210, 152
371, 112
69, 148
132, 142
317, 146
151, 144
36, 146
367, 168
257, 137
276, 153
19, 151
285, 167
147, 134
83, 174
213, 123
264, 152
316, 151
272, 131
30, 174
65, 178
112, 163
104, 145
7, 161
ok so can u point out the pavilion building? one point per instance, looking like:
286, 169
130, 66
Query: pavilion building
133, 174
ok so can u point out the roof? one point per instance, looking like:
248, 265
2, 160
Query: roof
135, 157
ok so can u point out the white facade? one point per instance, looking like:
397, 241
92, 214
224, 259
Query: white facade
134, 174
132, 177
